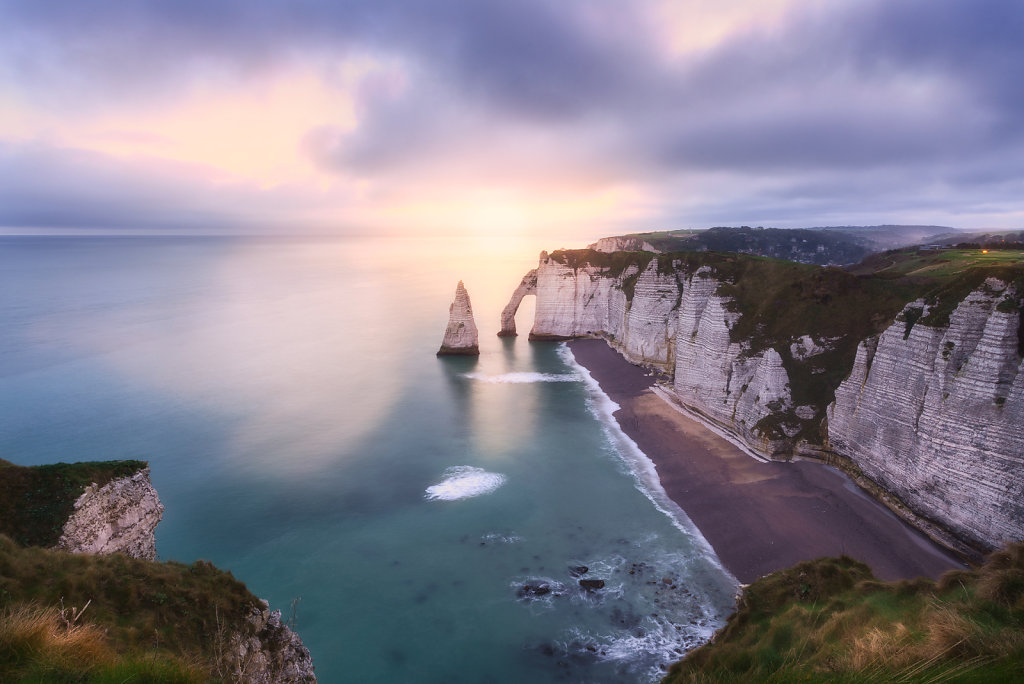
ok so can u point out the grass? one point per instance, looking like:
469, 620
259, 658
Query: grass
35, 502
780, 301
162, 619
829, 620
37, 645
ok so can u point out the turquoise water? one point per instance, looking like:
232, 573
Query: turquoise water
302, 434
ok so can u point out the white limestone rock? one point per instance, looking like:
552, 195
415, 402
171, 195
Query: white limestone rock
805, 347
265, 651
461, 336
527, 286
623, 244
937, 418
119, 517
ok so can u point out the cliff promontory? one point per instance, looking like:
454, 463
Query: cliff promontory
81, 591
905, 371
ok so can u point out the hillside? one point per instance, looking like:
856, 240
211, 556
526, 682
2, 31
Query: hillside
117, 617
829, 620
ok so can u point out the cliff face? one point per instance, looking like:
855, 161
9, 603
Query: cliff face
935, 417
119, 517
931, 414
460, 337
266, 651
721, 380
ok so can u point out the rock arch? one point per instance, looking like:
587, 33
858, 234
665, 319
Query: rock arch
528, 286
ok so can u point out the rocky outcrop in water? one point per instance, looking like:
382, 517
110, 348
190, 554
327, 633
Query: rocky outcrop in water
266, 651
930, 417
461, 335
119, 517
935, 415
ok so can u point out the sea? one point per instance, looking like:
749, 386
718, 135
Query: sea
416, 518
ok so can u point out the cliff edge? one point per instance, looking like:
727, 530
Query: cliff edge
119, 517
95, 523
907, 376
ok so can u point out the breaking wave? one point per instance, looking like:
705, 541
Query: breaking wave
523, 377
464, 482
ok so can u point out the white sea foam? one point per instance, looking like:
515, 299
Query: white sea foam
644, 472
523, 377
463, 482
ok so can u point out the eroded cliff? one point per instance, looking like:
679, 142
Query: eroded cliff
118, 517
926, 406
461, 336
935, 415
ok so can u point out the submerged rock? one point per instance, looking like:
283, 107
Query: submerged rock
578, 570
534, 590
461, 336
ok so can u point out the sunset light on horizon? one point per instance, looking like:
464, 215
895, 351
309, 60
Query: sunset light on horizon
578, 118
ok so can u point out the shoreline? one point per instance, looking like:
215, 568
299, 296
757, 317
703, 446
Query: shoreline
758, 516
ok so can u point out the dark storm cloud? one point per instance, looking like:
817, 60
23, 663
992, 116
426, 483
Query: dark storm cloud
926, 93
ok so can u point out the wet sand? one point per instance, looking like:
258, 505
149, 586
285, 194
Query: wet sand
759, 517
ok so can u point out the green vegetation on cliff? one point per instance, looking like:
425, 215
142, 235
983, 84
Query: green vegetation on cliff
35, 502
156, 622
780, 301
829, 620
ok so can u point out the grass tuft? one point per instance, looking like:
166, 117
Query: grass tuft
829, 620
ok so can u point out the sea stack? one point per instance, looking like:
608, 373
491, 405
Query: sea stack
461, 336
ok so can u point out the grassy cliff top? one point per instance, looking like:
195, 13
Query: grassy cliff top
35, 502
145, 621
829, 620
779, 301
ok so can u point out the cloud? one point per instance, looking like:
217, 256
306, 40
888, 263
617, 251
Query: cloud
924, 93
53, 187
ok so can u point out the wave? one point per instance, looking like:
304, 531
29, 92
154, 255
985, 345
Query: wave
523, 377
464, 482
645, 473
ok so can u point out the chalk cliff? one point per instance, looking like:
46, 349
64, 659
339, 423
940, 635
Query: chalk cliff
935, 415
266, 651
460, 337
528, 286
929, 414
119, 517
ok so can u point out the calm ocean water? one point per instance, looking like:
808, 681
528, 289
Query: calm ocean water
303, 435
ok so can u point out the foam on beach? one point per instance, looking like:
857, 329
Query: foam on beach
523, 377
645, 473
464, 482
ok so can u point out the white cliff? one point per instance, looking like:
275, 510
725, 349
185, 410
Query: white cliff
527, 286
932, 418
119, 517
461, 336
938, 419
623, 243
720, 380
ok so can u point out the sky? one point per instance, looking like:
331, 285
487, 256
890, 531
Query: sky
477, 117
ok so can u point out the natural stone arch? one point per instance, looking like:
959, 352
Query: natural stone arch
528, 286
